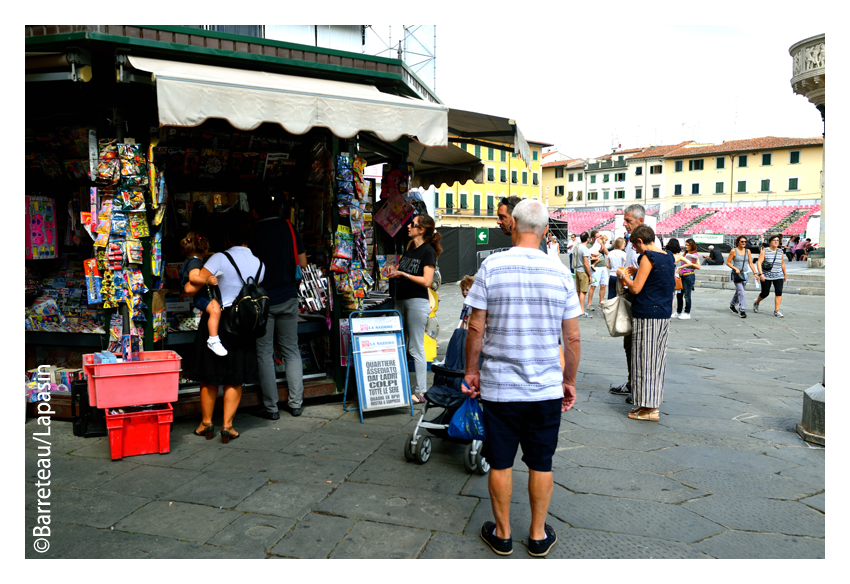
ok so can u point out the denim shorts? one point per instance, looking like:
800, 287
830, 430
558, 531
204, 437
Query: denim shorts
201, 301
532, 425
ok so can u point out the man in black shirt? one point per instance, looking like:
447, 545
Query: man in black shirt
273, 244
713, 257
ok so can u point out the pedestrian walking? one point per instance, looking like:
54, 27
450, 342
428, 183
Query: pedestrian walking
599, 250
583, 269
521, 304
652, 287
570, 249
771, 270
416, 272
278, 245
738, 260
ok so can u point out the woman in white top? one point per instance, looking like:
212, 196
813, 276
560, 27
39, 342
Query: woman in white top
239, 366
616, 259
554, 249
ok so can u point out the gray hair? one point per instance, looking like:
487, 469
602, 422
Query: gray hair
637, 211
530, 216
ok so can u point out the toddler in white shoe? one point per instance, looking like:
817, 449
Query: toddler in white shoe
195, 248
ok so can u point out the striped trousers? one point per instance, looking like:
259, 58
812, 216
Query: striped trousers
649, 360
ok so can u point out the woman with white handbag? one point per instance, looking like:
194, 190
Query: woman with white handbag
653, 287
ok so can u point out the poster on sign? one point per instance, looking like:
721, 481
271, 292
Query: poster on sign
380, 375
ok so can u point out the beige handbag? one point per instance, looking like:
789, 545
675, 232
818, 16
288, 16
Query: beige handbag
618, 316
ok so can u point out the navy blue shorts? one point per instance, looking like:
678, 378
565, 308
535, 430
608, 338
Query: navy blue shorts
532, 425
201, 301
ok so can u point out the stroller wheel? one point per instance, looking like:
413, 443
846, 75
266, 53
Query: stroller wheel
470, 459
423, 452
409, 455
483, 465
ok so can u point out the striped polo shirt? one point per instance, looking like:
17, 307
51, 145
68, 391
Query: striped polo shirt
526, 296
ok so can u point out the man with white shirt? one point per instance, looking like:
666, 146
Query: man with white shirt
633, 216
524, 302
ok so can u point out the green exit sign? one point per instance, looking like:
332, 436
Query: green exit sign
482, 235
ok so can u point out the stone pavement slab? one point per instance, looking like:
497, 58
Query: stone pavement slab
77, 472
205, 457
621, 440
223, 490
627, 484
177, 520
722, 459
787, 438
253, 533
451, 546
314, 537
744, 484
326, 445
391, 470
814, 475
62, 536
119, 545
292, 500
750, 514
589, 544
740, 545
816, 502
92, 508
356, 429
400, 506
610, 458
152, 482
270, 438
634, 517
368, 540
285, 466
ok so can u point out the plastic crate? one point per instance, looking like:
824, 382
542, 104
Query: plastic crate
153, 379
135, 433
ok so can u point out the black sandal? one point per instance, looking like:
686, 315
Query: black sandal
207, 432
227, 435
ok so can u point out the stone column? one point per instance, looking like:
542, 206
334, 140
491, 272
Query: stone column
809, 80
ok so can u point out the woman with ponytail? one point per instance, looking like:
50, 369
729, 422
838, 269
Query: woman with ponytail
416, 271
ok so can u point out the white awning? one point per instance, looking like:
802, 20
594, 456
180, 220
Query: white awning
188, 94
487, 130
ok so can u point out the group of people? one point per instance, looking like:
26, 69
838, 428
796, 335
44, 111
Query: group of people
267, 249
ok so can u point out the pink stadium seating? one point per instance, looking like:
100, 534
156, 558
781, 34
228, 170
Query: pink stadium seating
799, 226
742, 220
676, 221
583, 220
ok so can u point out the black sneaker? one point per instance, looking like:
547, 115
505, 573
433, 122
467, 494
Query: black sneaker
629, 400
540, 547
743, 314
503, 547
733, 308
624, 389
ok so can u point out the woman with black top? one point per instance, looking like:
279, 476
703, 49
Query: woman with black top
771, 269
416, 271
653, 287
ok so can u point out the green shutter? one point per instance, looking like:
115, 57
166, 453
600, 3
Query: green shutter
742, 186
571, 177
476, 203
742, 161
795, 157
718, 188
477, 151
503, 175
534, 154
489, 154
792, 184
502, 156
491, 174
592, 179
765, 185
513, 176
579, 176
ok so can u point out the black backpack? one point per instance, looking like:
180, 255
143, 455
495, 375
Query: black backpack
250, 309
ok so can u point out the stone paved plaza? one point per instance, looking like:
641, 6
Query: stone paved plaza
722, 475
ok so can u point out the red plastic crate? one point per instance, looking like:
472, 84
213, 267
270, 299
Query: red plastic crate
152, 379
139, 432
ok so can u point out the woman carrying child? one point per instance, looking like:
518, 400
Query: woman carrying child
196, 247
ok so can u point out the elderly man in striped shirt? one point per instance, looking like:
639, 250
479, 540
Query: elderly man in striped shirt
524, 302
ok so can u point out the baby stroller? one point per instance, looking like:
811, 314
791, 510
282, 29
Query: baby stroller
446, 395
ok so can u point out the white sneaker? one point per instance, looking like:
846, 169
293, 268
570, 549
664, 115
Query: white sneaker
755, 307
216, 347
685, 316
779, 314
675, 315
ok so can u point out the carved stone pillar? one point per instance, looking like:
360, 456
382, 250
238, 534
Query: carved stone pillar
809, 80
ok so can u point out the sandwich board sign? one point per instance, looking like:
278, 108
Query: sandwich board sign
379, 354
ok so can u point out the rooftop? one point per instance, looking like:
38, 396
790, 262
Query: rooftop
749, 145
658, 151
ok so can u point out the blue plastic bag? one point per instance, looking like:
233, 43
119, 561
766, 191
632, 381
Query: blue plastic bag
467, 423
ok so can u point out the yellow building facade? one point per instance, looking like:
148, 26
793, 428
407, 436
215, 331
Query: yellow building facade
755, 172
563, 183
505, 174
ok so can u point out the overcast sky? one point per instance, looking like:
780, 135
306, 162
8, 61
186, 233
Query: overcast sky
585, 88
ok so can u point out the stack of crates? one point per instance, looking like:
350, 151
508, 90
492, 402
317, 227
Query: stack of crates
153, 379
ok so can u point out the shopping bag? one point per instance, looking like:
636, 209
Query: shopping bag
466, 422
618, 316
